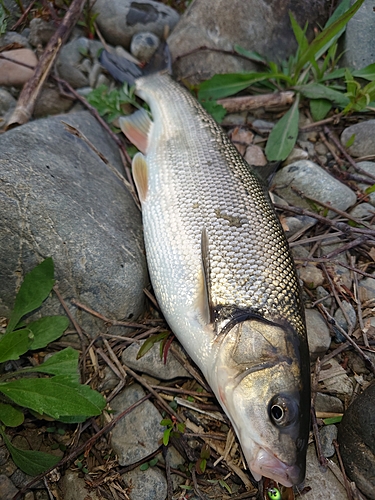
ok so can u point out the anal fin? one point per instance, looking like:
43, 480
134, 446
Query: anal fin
140, 174
136, 127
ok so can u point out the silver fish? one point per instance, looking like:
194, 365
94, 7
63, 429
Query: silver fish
223, 275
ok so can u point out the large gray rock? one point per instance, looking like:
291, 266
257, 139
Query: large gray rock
146, 485
317, 333
308, 178
139, 433
364, 138
59, 199
119, 20
257, 25
357, 441
359, 49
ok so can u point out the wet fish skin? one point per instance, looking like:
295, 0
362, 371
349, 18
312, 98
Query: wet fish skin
223, 275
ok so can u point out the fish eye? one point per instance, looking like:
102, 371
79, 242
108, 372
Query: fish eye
282, 410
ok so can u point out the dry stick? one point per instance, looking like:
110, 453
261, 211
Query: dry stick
346, 155
359, 306
348, 246
23, 17
335, 118
83, 447
347, 486
30, 92
251, 102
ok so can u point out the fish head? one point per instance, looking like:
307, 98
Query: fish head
263, 383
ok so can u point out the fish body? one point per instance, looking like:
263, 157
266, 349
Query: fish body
223, 275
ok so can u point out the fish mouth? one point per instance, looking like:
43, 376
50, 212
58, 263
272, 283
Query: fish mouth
266, 464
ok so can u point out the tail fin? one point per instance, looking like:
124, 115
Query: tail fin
124, 70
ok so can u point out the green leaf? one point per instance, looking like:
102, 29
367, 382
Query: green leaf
47, 329
319, 91
253, 56
35, 288
217, 111
319, 108
284, 134
64, 362
56, 397
370, 189
14, 344
328, 36
29, 461
166, 435
10, 416
225, 85
339, 11
367, 73
332, 420
166, 422
144, 466
299, 33
333, 75
205, 452
149, 343
350, 142
223, 484
153, 461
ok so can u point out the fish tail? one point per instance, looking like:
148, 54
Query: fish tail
125, 70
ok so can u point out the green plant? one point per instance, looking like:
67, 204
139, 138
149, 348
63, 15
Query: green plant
173, 429
311, 72
150, 463
109, 103
52, 388
201, 463
4, 14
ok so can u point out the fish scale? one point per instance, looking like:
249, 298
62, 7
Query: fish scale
251, 266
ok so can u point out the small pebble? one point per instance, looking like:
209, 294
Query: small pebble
144, 45
254, 156
328, 434
311, 275
13, 74
318, 334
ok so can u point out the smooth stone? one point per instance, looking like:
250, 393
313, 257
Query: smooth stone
358, 47
108, 381
321, 292
296, 223
336, 381
75, 488
139, 433
318, 334
255, 25
314, 182
368, 166
327, 434
357, 441
13, 74
367, 288
311, 275
364, 141
328, 404
143, 45
254, 156
12, 37
152, 364
7, 488
59, 199
150, 484
71, 61
324, 485
51, 102
364, 211
40, 31
119, 20
341, 320
7, 101
297, 154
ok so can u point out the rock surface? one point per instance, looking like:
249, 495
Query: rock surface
139, 433
58, 198
307, 177
150, 484
119, 20
255, 25
317, 333
364, 140
357, 441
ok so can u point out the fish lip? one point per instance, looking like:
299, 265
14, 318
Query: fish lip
266, 464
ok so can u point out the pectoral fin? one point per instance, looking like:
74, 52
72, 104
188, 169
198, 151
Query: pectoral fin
140, 174
136, 127
204, 298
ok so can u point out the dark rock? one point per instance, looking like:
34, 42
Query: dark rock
119, 20
7, 488
357, 441
59, 199
51, 102
40, 31
256, 25
146, 485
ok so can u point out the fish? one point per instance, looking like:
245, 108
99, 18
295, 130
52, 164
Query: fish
222, 273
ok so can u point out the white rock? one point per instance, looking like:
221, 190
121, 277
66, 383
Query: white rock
14, 74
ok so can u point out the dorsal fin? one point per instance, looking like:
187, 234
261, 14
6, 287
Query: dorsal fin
136, 127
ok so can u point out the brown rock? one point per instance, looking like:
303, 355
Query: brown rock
255, 156
14, 74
